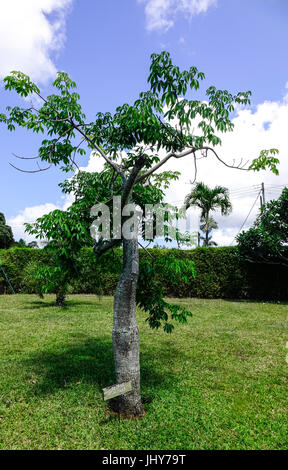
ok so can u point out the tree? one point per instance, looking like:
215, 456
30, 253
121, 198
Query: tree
208, 200
6, 235
20, 244
266, 242
66, 236
207, 226
69, 231
33, 244
130, 141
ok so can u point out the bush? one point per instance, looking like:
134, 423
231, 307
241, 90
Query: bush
14, 262
220, 273
32, 281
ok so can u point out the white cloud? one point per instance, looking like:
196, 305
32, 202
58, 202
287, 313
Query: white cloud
28, 215
251, 134
161, 14
28, 36
95, 163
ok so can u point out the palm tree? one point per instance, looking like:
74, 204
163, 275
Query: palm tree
208, 200
207, 226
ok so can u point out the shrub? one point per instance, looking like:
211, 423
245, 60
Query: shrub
220, 273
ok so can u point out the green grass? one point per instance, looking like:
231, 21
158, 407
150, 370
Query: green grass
219, 382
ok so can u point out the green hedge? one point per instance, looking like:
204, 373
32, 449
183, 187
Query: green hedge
220, 273
14, 262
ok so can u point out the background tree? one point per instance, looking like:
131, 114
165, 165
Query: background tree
32, 244
267, 240
208, 200
21, 243
207, 226
130, 141
66, 235
6, 234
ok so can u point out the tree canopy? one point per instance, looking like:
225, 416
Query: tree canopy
267, 240
6, 234
134, 132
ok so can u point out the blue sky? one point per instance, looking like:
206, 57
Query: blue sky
105, 47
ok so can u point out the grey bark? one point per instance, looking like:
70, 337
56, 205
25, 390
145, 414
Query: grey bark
125, 331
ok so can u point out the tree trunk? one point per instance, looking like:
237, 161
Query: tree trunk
207, 231
125, 331
60, 299
207, 238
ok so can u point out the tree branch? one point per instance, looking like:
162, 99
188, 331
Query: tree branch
240, 166
140, 162
31, 171
25, 158
99, 150
77, 127
102, 246
164, 160
193, 150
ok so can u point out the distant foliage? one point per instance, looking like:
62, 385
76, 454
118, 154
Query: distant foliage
266, 242
22, 244
220, 273
6, 235
150, 289
33, 278
15, 261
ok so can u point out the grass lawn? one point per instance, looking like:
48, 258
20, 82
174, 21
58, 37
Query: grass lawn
220, 382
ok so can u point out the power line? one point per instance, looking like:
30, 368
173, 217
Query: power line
244, 196
243, 193
244, 189
253, 205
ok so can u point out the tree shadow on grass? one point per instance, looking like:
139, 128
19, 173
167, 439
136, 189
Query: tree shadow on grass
91, 362
263, 301
39, 304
